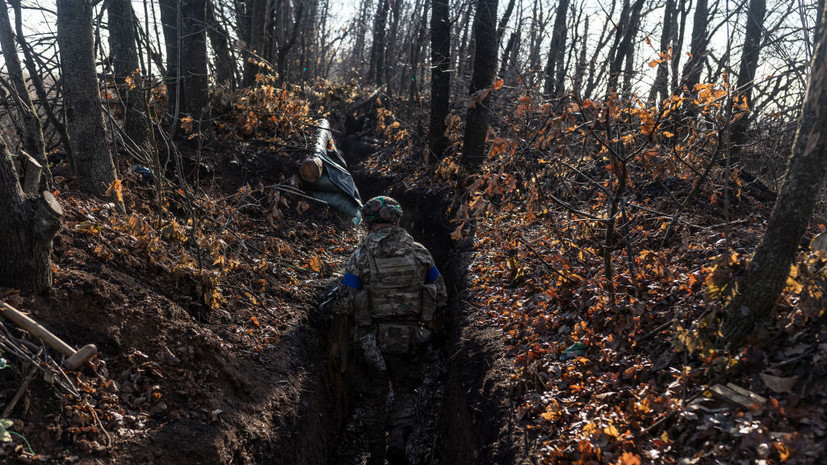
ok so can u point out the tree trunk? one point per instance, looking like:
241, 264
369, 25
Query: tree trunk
440, 75
535, 42
290, 38
224, 65
258, 27
377, 50
32, 127
195, 83
169, 22
624, 48
660, 88
416, 50
555, 72
27, 225
697, 47
507, 56
95, 168
746, 72
358, 51
580, 71
485, 65
390, 61
37, 82
793, 210
629, 47
677, 50
124, 56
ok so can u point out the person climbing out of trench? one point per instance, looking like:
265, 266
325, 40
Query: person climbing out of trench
392, 300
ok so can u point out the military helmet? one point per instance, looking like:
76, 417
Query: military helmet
381, 209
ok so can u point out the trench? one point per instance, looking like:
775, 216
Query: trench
467, 417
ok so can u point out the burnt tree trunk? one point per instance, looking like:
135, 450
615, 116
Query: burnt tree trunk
32, 136
555, 70
803, 181
27, 225
485, 65
746, 72
124, 57
95, 168
440, 75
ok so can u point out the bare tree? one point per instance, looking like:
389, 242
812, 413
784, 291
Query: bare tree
128, 76
440, 75
416, 49
169, 23
747, 69
219, 41
40, 89
95, 168
624, 47
289, 28
660, 88
770, 265
257, 27
391, 42
377, 50
555, 70
195, 82
485, 65
32, 135
697, 47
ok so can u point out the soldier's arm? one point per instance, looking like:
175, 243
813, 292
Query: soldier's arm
433, 275
351, 284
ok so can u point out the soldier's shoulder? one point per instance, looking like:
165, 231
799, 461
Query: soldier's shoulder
358, 257
422, 253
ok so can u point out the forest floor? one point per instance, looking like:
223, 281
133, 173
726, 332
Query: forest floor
216, 353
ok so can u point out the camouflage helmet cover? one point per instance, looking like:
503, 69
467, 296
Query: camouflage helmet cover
381, 209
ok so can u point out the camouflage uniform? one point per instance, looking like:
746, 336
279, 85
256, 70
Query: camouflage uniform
389, 333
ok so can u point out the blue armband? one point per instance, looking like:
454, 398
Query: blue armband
433, 273
351, 280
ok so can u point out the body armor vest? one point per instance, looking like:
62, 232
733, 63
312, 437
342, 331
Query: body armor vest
396, 288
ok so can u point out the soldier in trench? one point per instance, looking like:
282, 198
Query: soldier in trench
392, 292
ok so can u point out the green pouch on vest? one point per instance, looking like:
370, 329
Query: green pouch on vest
428, 302
394, 338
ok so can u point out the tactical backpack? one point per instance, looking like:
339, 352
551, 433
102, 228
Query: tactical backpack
399, 302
